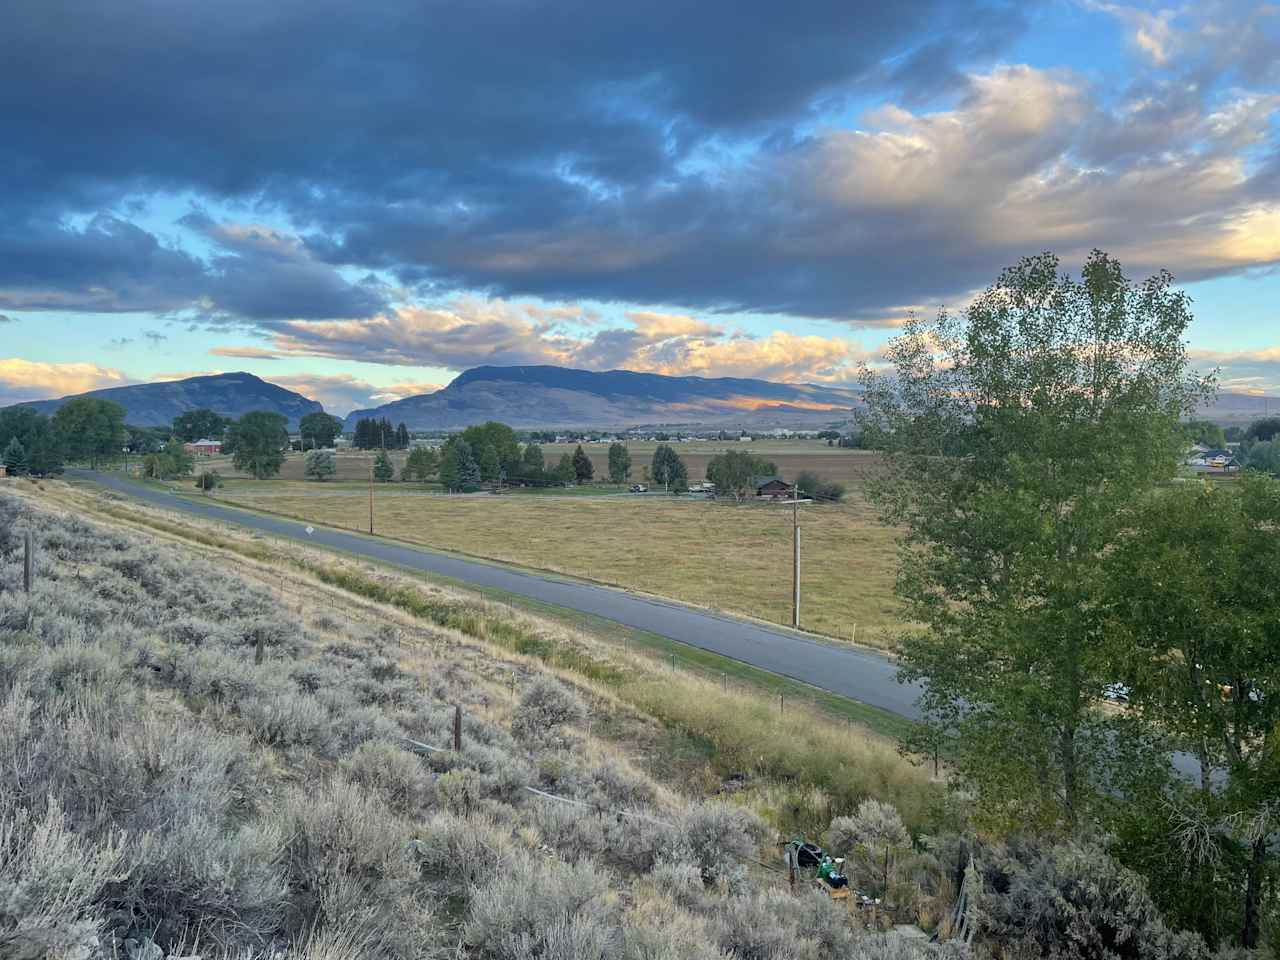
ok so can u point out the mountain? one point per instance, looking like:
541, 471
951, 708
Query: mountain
541, 397
230, 394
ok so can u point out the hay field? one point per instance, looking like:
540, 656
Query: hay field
734, 558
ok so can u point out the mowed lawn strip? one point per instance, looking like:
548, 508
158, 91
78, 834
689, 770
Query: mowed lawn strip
730, 557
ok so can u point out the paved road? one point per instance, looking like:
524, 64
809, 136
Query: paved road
848, 671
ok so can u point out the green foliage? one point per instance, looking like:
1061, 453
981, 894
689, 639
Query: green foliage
402, 437
544, 708
619, 463
564, 471
35, 433
583, 469
259, 440
193, 425
734, 471
1264, 455
1194, 627
423, 464
1265, 429
532, 462
1206, 433
207, 480
502, 439
459, 469
320, 465
1019, 439
90, 428
809, 484
490, 467
15, 458
320, 428
668, 469
383, 471
170, 463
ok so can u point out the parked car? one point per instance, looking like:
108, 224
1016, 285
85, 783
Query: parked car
639, 488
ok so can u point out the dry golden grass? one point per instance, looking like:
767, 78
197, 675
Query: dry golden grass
729, 557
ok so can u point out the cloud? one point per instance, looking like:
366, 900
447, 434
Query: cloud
4, 318
471, 332
342, 393
1242, 371
154, 337
245, 353
22, 380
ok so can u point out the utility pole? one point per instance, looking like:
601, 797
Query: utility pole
371, 496
795, 560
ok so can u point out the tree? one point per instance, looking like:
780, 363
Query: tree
201, 424
504, 442
1194, 628
170, 463
532, 463
422, 465
458, 467
734, 470
1206, 433
15, 458
1264, 456
39, 440
207, 480
259, 440
1265, 429
383, 471
668, 469
565, 471
402, 437
320, 428
490, 468
809, 484
320, 465
583, 468
90, 428
619, 463
1019, 439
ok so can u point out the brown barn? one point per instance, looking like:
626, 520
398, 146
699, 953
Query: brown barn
772, 488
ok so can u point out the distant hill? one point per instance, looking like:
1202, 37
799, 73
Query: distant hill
1239, 408
230, 394
544, 397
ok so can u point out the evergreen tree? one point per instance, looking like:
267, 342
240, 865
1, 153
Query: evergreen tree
402, 437
583, 469
458, 467
383, 471
15, 458
565, 471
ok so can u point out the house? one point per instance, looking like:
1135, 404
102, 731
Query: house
772, 488
1213, 460
203, 448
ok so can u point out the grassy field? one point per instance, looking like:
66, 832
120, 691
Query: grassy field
735, 558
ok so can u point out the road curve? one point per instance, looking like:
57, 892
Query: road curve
849, 671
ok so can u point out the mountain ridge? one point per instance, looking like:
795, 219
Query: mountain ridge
230, 394
542, 396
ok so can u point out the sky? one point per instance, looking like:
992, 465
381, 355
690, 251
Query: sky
359, 201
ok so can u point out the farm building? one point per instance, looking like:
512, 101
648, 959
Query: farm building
772, 488
203, 448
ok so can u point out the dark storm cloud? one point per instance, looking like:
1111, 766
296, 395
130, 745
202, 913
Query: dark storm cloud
360, 122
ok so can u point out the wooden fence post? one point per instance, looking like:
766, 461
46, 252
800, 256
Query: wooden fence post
457, 727
27, 560
261, 645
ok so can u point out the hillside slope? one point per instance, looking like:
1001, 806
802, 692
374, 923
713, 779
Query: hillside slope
547, 397
230, 394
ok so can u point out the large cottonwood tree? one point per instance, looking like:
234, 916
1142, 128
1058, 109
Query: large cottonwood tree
1019, 437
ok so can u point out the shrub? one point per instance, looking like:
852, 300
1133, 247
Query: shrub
869, 839
716, 837
545, 707
395, 775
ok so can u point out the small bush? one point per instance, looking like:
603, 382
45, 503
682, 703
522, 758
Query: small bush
717, 837
395, 775
546, 707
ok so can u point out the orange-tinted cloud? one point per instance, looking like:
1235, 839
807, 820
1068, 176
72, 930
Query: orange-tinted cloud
33, 380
